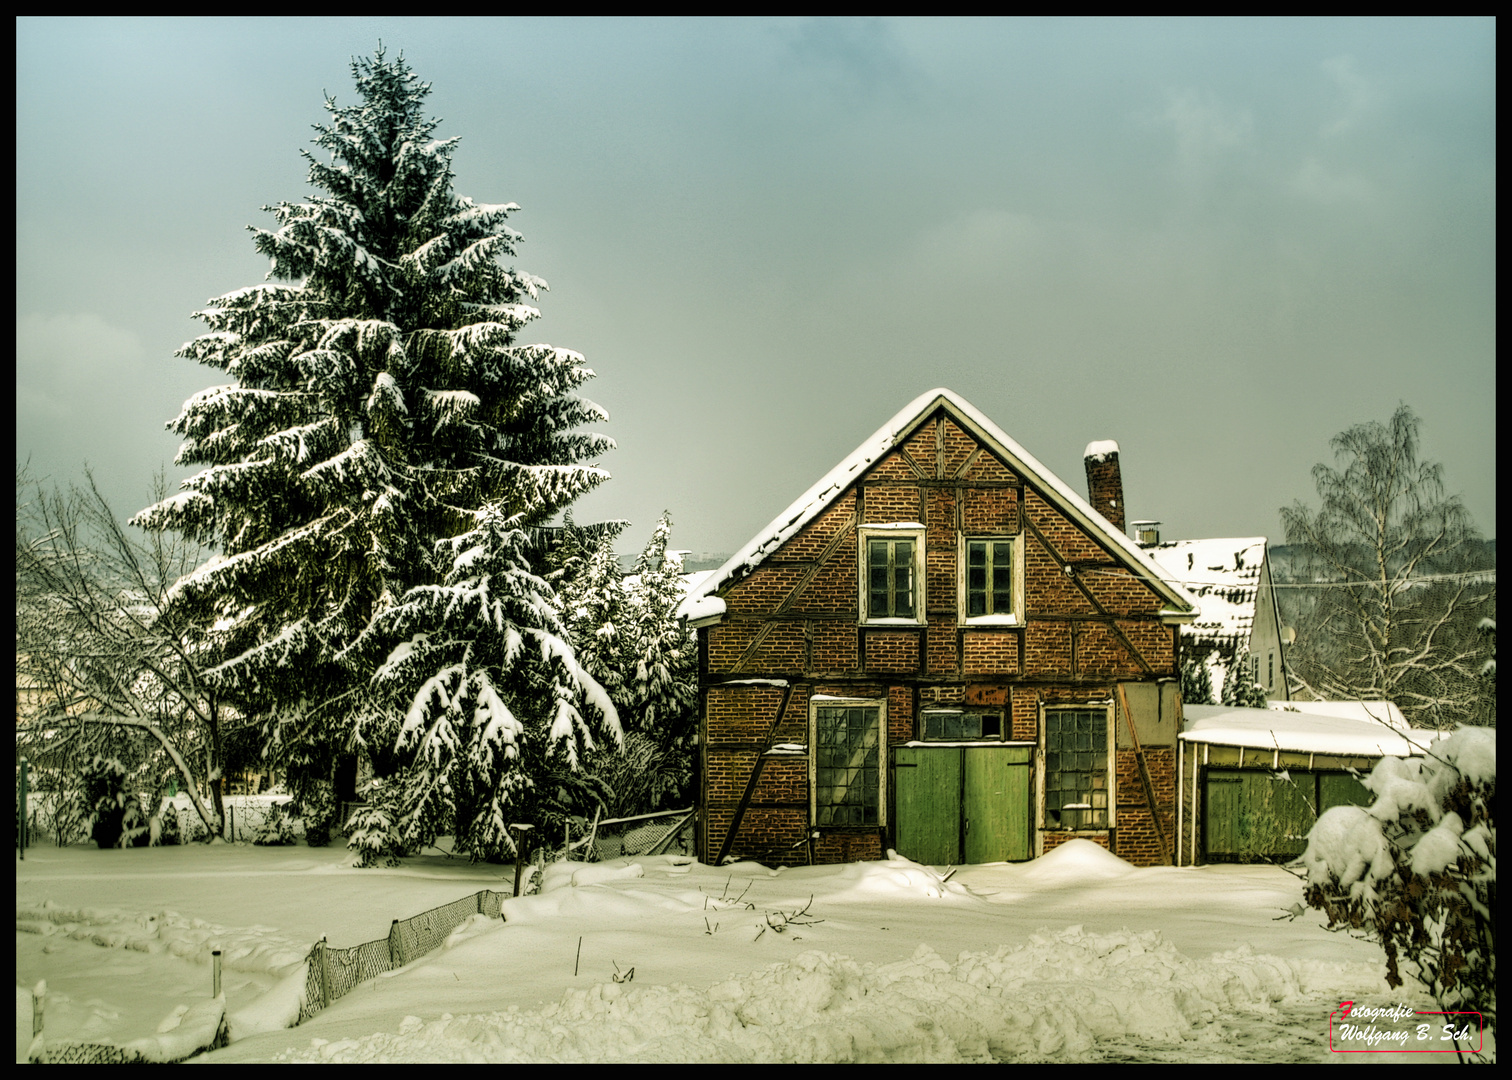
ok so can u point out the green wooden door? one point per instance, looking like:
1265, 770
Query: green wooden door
995, 806
927, 800
1251, 814
1341, 789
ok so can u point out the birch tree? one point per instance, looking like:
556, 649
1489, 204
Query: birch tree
1400, 589
102, 666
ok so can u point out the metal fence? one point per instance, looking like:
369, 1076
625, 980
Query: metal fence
668, 833
331, 974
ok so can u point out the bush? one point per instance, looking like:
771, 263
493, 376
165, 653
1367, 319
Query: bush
318, 807
116, 818
1416, 871
165, 828
373, 831
276, 830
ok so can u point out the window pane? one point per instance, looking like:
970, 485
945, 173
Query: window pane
903, 606
847, 777
1076, 763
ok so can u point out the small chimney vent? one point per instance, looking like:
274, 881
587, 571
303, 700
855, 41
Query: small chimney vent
1147, 533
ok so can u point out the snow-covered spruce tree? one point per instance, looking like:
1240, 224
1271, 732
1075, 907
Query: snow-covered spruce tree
1239, 686
494, 696
380, 409
1196, 681
626, 634
1416, 870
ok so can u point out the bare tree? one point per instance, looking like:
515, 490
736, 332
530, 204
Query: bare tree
102, 661
1401, 585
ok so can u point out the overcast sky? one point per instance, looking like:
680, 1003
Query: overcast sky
1217, 242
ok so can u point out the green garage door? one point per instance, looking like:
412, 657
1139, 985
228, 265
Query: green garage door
1254, 814
958, 804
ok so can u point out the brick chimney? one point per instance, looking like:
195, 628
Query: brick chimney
1104, 481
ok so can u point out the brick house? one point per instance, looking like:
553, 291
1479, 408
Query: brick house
942, 649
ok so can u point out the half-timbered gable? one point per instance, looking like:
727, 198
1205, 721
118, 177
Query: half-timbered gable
939, 648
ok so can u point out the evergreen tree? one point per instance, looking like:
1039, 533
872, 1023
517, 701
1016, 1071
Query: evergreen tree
1196, 681
378, 467
1239, 686
663, 668
626, 633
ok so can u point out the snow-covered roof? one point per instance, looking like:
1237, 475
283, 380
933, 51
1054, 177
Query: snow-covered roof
808, 506
1298, 732
1370, 712
1224, 574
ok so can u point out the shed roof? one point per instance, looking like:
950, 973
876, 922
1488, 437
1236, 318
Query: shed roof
1181, 605
1304, 732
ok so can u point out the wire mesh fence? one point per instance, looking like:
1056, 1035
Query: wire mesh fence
331, 974
668, 833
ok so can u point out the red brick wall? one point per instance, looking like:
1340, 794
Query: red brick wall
1138, 840
892, 651
1066, 653
990, 652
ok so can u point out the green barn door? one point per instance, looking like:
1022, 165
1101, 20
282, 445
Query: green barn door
996, 803
1251, 814
927, 798
1341, 789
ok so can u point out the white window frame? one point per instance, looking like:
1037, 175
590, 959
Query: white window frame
821, 701
1042, 771
1016, 616
903, 530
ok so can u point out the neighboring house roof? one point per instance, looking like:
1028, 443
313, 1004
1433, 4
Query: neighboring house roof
1224, 574
702, 603
1296, 732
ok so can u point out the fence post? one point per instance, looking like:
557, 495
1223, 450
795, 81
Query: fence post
39, 1003
519, 839
215, 962
396, 945
325, 975
22, 828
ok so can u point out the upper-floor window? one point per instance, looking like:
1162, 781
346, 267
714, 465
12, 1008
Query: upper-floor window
989, 577
892, 573
992, 580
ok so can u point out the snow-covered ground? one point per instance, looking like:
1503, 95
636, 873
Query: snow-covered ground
1076, 956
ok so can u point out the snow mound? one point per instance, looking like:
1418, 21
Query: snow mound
895, 877
1059, 996
1074, 862
246, 948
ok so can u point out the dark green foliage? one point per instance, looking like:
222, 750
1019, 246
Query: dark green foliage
1196, 682
116, 811
319, 810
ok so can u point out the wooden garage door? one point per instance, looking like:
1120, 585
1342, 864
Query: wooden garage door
959, 804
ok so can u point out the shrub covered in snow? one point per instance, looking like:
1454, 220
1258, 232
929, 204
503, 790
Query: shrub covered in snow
373, 833
116, 818
165, 827
276, 829
1416, 871
319, 809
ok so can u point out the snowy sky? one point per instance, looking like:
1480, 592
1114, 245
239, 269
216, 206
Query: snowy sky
1219, 243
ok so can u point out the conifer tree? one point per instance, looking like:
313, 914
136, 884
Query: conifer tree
1196, 681
1239, 686
378, 463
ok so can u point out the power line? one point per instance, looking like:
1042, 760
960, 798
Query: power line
1488, 575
